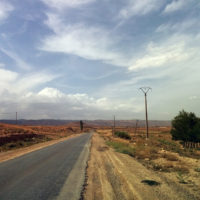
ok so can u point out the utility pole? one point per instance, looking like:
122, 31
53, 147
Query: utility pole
136, 126
114, 126
145, 90
16, 117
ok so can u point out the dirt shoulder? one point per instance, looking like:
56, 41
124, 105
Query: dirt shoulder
4, 156
112, 175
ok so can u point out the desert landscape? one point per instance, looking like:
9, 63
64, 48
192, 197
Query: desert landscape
99, 100
136, 168
17, 140
124, 165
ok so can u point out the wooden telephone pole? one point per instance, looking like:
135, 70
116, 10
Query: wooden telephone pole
136, 126
16, 117
145, 90
114, 126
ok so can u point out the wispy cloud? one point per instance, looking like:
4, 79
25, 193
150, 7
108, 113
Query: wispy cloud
32, 80
182, 26
91, 43
62, 4
138, 7
174, 50
176, 5
20, 62
5, 9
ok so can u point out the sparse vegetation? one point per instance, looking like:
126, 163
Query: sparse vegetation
14, 136
123, 135
166, 157
121, 147
170, 169
159, 153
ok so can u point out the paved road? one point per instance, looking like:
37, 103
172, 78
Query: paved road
54, 172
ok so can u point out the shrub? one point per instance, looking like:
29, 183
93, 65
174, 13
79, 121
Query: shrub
186, 127
123, 135
170, 157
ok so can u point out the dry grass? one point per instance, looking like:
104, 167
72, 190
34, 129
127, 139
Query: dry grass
159, 152
14, 136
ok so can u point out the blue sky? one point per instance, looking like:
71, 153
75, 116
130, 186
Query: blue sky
87, 59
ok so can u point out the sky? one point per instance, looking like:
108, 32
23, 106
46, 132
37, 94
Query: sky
87, 59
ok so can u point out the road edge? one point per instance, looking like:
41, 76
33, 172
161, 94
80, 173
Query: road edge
74, 184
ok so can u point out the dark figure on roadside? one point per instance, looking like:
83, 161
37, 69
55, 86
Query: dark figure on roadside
81, 125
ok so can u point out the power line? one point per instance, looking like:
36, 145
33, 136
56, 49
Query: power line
145, 90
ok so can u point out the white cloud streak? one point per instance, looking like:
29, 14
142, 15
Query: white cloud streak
175, 50
87, 42
140, 7
179, 27
175, 5
63, 4
82, 41
20, 62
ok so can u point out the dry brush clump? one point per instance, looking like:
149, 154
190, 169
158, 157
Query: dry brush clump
170, 157
164, 165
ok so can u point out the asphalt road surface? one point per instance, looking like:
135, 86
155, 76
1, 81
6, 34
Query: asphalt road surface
54, 172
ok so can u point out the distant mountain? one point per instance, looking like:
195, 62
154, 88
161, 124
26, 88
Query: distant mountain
52, 122
39, 122
129, 123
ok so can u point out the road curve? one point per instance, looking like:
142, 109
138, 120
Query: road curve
55, 172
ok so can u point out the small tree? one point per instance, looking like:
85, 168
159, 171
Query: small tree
186, 127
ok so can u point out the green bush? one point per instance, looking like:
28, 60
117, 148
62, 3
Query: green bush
186, 127
123, 135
